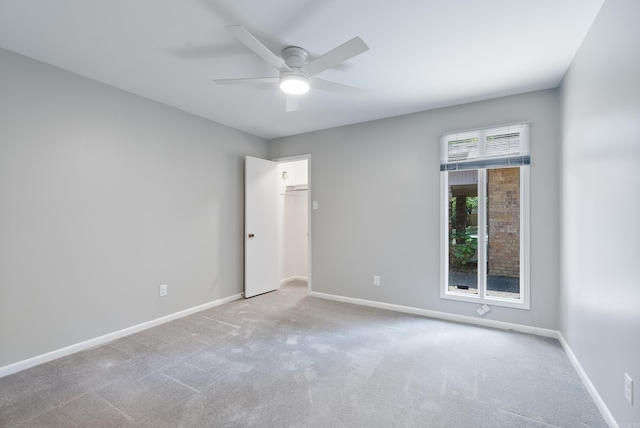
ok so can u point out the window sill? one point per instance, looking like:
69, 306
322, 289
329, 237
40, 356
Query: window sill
491, 301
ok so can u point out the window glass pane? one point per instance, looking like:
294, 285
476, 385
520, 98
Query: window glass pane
463, 231
503, 233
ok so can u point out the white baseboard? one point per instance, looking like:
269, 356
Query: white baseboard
100, 340
293, 278
489, 323
604, 411
442, 315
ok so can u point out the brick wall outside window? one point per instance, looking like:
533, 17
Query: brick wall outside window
503, 191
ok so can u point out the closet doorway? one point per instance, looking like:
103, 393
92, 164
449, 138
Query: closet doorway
293, 221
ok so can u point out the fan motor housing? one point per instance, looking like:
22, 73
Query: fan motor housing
295, 57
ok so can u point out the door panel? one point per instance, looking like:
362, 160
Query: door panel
261, 226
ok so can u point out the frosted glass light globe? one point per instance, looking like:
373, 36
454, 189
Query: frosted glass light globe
294, 84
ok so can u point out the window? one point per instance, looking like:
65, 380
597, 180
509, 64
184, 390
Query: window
485, 216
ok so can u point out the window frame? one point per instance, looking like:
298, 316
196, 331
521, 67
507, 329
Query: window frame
525, 242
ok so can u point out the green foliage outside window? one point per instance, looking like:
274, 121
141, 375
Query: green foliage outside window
462, 249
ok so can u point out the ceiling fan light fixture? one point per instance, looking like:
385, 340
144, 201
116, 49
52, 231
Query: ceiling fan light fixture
294, 84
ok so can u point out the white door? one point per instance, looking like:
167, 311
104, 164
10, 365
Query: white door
260, 226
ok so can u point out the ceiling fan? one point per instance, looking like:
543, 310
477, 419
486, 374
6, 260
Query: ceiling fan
296, 71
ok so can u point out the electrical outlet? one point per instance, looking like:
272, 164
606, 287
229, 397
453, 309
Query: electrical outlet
376, 279
482, 310
163, 290
628, 388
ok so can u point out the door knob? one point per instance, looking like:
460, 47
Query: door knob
251, 235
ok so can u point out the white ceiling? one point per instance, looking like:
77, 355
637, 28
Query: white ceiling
423, 54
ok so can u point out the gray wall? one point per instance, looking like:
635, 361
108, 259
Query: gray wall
600, 305
377, 185
104, 196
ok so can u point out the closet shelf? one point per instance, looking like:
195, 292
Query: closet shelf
297, 188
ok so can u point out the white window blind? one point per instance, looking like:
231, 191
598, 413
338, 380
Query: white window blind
506, 145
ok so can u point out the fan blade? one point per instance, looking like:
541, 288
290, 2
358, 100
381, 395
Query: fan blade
292, 103
247, 80
347, 50
337, 88
241, 33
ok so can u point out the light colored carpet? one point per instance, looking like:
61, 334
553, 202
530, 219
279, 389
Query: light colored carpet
287, 360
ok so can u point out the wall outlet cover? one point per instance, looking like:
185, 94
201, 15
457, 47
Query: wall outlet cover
163, 290
376, 279
483, 310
